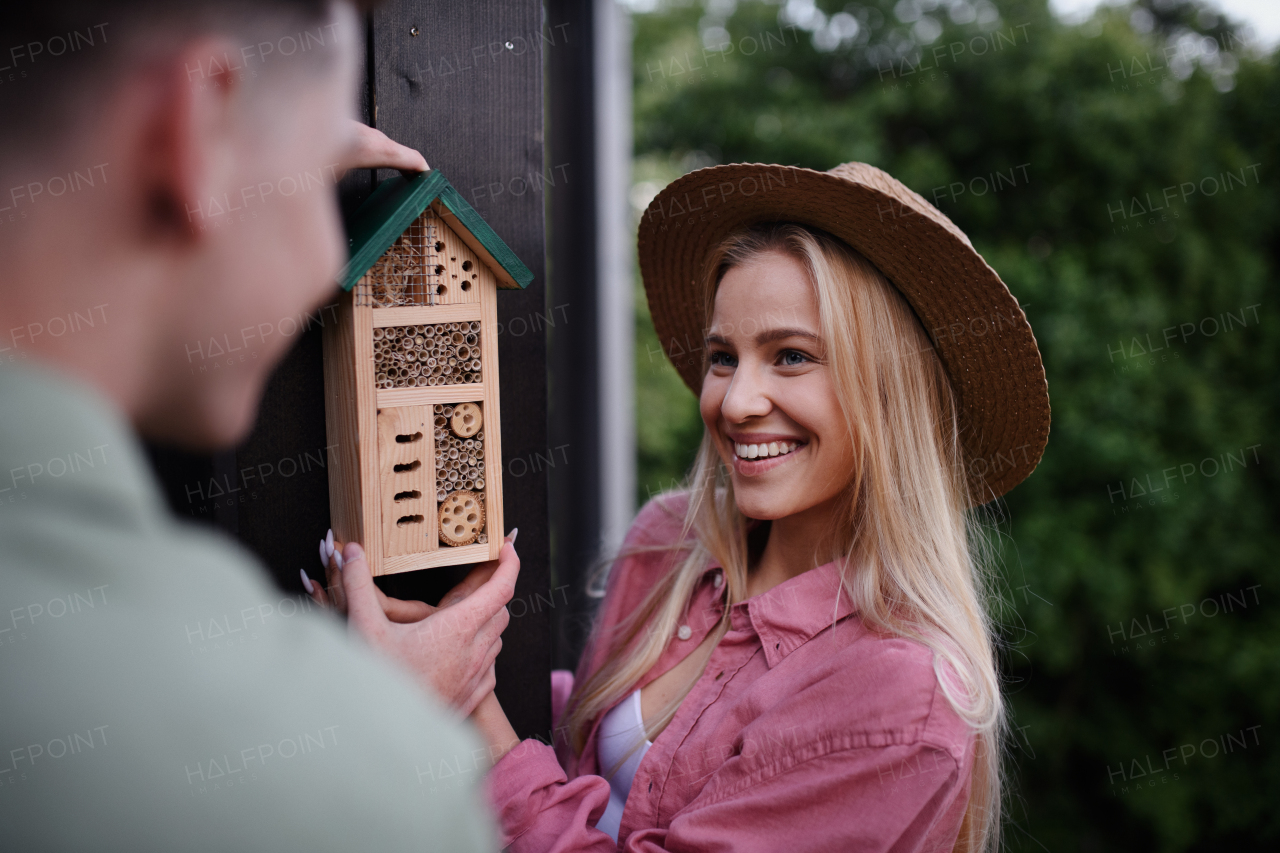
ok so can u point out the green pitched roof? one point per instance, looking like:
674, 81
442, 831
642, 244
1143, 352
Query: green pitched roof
397, 202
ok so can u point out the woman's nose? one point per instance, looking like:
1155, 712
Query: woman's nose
747, 396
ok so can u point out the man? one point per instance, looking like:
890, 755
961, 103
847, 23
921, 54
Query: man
156, 161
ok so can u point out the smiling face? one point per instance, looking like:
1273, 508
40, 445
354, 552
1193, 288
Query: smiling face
768, 398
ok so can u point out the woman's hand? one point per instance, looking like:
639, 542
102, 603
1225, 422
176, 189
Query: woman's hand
450, 648
372, 149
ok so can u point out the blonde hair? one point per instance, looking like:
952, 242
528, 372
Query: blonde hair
916, 550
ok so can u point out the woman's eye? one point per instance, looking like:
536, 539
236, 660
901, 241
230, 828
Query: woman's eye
723, 359
792, 358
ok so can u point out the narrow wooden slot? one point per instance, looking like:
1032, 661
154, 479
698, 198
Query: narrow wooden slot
405, 476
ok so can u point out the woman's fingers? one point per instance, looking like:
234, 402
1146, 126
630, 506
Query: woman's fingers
333, 574
478, 575
492, 595
491, 631
488, 681
315, 589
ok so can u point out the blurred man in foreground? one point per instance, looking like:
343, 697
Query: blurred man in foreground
167, 177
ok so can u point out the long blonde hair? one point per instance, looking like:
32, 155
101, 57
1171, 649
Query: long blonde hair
913, 555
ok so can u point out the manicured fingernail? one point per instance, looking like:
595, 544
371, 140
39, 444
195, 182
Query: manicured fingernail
324, 555
511, 537
328, 540
306, 583
337, 555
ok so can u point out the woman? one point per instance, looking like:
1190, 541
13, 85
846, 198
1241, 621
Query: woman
794, 652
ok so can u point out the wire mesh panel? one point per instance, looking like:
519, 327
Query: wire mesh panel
409, 272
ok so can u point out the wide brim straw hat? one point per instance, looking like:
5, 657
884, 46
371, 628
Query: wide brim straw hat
977, 327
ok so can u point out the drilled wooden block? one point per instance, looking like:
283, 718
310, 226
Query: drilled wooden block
406, 466
466, 420
461, 518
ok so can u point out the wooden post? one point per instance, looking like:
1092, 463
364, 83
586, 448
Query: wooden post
473, 106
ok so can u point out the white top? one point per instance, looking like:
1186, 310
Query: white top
620, 730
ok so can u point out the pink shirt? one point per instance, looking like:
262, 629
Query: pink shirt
801, 735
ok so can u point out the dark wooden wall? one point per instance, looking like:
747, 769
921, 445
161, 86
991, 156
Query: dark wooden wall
442, 79
574, 347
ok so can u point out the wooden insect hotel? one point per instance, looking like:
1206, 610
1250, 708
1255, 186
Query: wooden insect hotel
411, 380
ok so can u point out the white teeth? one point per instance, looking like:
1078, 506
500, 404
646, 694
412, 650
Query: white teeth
756, 451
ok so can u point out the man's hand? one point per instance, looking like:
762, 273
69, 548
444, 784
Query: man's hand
450, 648
371, 149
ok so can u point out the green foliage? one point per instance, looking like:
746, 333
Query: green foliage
1136, 220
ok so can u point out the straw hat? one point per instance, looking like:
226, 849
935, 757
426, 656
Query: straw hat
975, 323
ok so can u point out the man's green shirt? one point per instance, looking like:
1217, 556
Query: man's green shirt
158, 693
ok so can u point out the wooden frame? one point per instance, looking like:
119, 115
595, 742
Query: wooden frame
383, 484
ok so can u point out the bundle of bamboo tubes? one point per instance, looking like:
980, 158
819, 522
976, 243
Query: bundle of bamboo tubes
431, 354
459, 461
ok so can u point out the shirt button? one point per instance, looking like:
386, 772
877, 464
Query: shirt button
685, 632
717, 580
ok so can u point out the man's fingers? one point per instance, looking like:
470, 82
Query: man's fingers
357, 585
402, 610
371, 149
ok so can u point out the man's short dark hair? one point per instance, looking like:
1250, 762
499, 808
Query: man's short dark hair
57, 55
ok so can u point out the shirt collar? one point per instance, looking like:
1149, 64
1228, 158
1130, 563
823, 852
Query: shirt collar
793, 612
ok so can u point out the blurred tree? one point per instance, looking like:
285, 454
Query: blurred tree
1120, 175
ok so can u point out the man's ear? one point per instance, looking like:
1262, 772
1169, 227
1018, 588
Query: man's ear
190, 146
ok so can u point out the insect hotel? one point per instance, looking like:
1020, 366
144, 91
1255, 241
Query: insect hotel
411, 380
